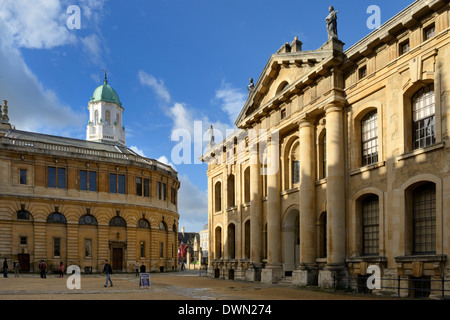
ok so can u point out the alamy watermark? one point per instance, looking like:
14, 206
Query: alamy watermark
74, 20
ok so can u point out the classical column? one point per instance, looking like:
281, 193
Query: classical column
335, 186
273, 271
305, 274
255, 212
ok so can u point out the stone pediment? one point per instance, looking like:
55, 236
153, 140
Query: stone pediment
283, 72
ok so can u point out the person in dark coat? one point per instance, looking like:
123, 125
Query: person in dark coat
5, 269
108, 270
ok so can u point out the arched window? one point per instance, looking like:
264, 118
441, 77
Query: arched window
423, 115
295, 164
369, 138
108, 117
117, 123
96, 117
323, 156
56, 217
218, 196
247, 185
247, 239
23, 215
424, 219
143, 223
117, 222
88, 219
218, 243
162, 226
231, 241
323, 235
370, 225
231, 201
283, 85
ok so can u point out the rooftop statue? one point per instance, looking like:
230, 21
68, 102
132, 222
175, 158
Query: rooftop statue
251, 85
332, 23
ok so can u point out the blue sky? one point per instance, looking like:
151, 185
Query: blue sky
172, 62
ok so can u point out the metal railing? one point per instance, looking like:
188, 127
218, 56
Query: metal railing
414, 287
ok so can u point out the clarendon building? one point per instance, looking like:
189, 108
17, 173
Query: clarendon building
359, 139
81, 202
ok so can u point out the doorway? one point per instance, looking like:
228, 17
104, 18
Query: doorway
117, 259
291, 241
24, 262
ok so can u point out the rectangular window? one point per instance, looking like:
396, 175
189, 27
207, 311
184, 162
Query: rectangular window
424, 219
51, 177
56, 177
61, 178
142, 247
92, 181
429, 32
424, 126
23, 241
113, 183
295, 172
121, 184
369, 139
146, 188
161, 250
159, 190
164, 193
370, 226
138, 186
404, 47
88, 248
83, 180
173, 196
23, 176
88, 180
362, 72
56, 247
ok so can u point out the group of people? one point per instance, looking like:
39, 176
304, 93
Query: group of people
107, 269
15, 267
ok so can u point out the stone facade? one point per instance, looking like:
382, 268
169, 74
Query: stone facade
81, 202
359, 141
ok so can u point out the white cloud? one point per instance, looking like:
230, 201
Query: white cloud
164, 160
138, 151
157, 85
92, 48
232, 100
38, 24
192, 205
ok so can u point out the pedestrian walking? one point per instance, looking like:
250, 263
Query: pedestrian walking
5, 269
108, 270
136, 267
16, 268
43, 269
61, 270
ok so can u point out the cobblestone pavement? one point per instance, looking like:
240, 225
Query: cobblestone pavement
187, 285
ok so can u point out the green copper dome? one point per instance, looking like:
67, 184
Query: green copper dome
106, 93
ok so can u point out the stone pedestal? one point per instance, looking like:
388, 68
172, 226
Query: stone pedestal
333, 277
253, 274
304, 277
271, 274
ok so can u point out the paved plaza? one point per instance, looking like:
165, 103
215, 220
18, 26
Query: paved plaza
187, 285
